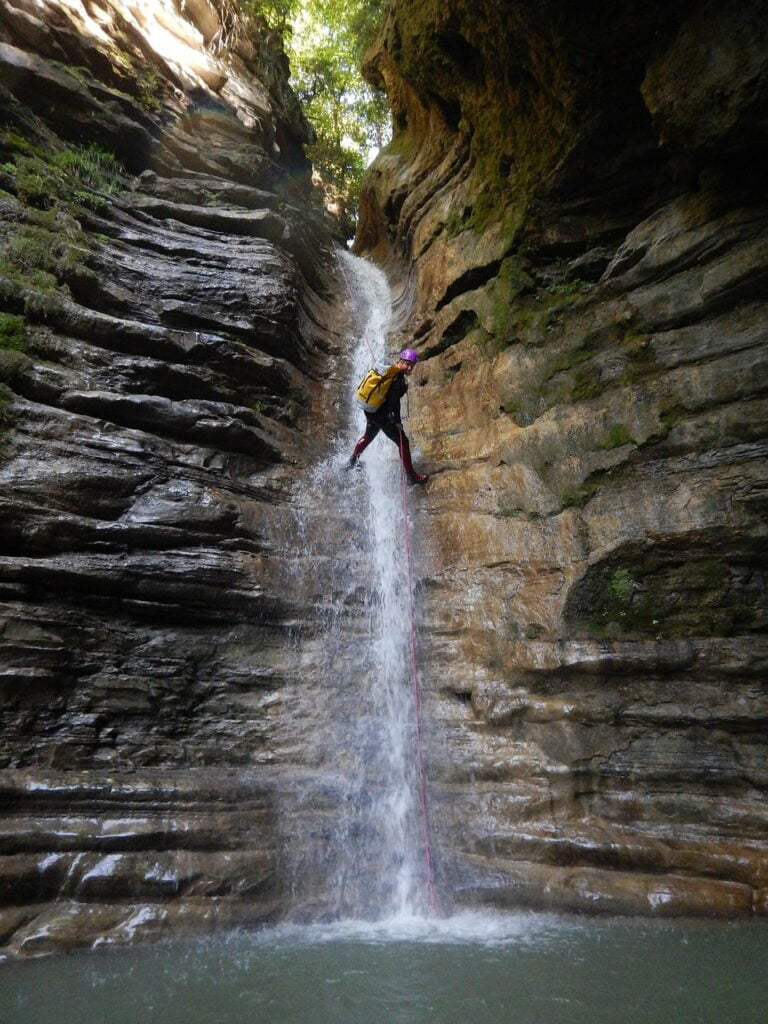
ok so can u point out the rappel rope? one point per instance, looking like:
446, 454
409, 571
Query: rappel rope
416, 682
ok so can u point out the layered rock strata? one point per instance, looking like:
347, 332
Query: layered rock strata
165, 335
572, 212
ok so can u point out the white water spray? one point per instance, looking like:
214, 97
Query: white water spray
353, 819
395, 785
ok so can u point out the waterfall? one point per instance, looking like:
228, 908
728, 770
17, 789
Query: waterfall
363, 838
396, 807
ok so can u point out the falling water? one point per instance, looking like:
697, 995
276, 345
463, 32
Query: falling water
369, 851
392, 693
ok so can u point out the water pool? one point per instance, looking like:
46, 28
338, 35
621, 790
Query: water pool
470, 969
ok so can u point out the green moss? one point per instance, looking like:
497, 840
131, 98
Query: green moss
40, 305
620, 586
577, 497
12, 142
615, 437
13, 332
493, 344
574, 373
148, 89
68, 177
711, 573
484, 210
11, 362
624, 603
458, 220
585, 385
39, 258
404, 144
77, 71
673, 598
575, 287
567, 360
512, 406
670, 418
516, 317
92, 166
13, 344
6, 398
512, 281
641, 361
582, 384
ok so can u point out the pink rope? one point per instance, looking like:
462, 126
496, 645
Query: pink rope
431, 890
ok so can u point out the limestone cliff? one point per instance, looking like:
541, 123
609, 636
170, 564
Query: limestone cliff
572, 216
164, 337
572, 212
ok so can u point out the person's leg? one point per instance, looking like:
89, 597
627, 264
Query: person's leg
396, 434
371, 430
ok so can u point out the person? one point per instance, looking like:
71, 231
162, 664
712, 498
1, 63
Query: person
387, 419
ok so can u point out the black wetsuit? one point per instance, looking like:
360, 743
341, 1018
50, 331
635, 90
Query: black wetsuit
387, 420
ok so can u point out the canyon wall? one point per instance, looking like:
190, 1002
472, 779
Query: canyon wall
572, 214
166, 335
572, 217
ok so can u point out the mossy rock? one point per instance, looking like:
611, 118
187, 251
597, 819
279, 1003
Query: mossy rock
577, 497
6, 399
616, 436
673, 593
13, 332
39, 256
68, 178
13, 344
11, 362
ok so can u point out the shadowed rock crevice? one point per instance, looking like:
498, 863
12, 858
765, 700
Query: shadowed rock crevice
474, 278
710, 586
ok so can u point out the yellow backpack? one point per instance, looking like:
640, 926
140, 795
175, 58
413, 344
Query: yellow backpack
374, 387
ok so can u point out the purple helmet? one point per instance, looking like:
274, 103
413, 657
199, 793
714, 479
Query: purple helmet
409, 355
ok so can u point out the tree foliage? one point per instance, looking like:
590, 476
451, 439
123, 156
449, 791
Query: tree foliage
325, 41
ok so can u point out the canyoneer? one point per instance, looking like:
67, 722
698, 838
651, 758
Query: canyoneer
379, 397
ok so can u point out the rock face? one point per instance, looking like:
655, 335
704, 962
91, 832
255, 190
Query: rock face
572, 215
161, 352
572, 212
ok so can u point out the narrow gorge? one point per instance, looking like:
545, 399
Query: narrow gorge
571, 218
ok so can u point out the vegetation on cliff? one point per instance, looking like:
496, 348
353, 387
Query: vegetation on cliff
325, 41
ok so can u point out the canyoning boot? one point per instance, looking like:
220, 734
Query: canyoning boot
353, 463
417, 478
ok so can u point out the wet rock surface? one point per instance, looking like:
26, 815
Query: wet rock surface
177, 339
572, 214
577, 247
97, 859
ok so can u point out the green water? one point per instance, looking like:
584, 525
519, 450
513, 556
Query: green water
473, 969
